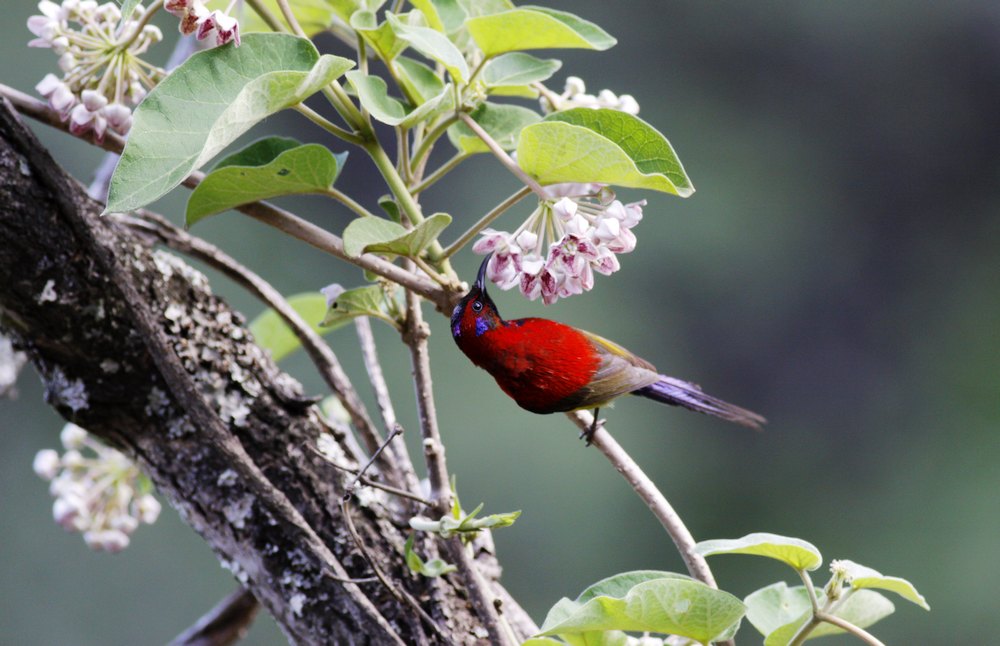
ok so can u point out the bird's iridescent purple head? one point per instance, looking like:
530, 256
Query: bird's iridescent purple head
476, 312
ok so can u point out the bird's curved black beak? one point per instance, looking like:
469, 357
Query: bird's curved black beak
481, 277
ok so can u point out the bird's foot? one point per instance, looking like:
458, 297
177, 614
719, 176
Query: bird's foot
588, 434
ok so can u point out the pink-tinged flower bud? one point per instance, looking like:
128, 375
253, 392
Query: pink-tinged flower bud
624, 243
73, 459
227, 29
565, 208
52, 10
119, 117
79, 119
574, 86
108, 540
491, 241
60, 44
62, 100
49, 84
123, 523
46, 464
606, 262
67, 62
607, 229
65, 511
628, 104
527, 240
41, 27
94, 100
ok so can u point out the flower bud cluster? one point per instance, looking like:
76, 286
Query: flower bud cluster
197, 19
574, 96
99, 492
99, 55
555, 252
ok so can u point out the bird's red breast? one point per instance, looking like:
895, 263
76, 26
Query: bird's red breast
540, 363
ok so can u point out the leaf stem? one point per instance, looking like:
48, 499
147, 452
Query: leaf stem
857, 631
348, 201
474, 230
290, 18
267, 16
424, 146
440, 172
327, 125
140, 24
502, 155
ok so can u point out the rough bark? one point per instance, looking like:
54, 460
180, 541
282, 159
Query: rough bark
134, 347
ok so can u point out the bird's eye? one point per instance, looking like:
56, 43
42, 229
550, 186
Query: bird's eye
477, 306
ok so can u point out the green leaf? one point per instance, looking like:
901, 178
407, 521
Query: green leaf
419, 80
344, 9
127, 9
209, 101
258, 153
865, 577
430, 12
774, 606
619, 584
607, 146
475, 8
432, 44
273, 334
502, 122
796, 552
670, 605
309, 168
863, 608
536, 28
352, 303
542, 641
515, 70
374, 95
376, 235
433, 568
380, 36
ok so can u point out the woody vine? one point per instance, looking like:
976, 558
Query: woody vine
453, 74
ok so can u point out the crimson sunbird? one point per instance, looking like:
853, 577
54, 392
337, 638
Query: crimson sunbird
549, 367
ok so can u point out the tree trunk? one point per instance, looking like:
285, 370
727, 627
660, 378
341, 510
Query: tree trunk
133, 346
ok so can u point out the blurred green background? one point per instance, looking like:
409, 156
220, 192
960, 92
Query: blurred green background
836, 270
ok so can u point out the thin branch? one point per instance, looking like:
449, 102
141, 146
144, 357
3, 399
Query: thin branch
652, 496
373, 367
226, 623
502, 155
484, 221
368, 482
290, 18
327, 125
440, 172
401, 595
349, 490
424, 146
349, 202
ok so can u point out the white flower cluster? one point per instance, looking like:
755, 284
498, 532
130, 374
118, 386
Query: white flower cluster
555, 252
197, 19
574, 96
103, 76
99, 492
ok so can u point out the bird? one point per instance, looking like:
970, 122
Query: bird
549, 367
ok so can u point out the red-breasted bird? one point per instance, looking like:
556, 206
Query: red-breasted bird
548, 367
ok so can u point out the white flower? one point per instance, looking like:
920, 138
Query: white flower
556, 251
99, 55
98, 491
574, 96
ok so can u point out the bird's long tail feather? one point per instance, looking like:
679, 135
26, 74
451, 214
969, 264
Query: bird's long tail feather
687, 395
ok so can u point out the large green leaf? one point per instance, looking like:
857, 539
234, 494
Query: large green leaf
606, 146
272, 333
309, 168
374, 95
535, 28
209, 101
774, 606
418, 79
669, 605
862, 576
384, 236
619, 584
515, 70
432, 44
863, 608
380, 36
501, 121
796, 552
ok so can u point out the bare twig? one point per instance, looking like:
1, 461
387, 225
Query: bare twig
226, 623
373, 367
349, 491
374, 483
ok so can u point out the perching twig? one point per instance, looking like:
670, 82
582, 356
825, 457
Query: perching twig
226, 623
368, 482
349, 491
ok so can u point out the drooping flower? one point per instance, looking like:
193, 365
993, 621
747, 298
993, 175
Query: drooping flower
197, 19
98, 491
104, 75
575, 96
576, 231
